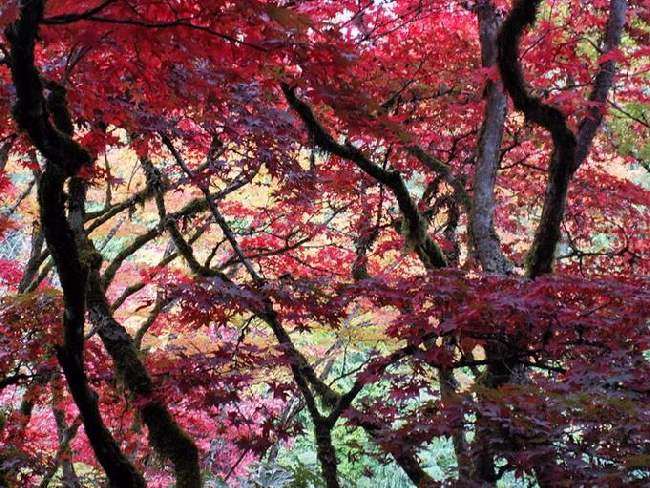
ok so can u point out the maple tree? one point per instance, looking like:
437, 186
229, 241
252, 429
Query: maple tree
230, 226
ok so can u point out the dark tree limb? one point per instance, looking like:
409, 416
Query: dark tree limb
31, 268
69, 18
166, 437
64, 158
569, 151
416, 225
562, 165
65, 433
214, 209
603, 82
304, 374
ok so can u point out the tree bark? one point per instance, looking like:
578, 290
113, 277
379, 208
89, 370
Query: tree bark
65, 434
569, 151
484, 237
167, 438
31, 268
64, 158
415, 226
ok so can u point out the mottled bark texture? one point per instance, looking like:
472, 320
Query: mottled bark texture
326, 454
165, 436
485, 240
562, 165
33, 263
78, 266
64, 158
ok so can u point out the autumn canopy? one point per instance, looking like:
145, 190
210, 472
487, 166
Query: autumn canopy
324, 243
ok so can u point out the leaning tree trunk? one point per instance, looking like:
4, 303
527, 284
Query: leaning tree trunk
64, 158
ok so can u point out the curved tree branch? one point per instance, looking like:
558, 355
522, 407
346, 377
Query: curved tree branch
569, 151
562, 165
64, 158
416, 225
